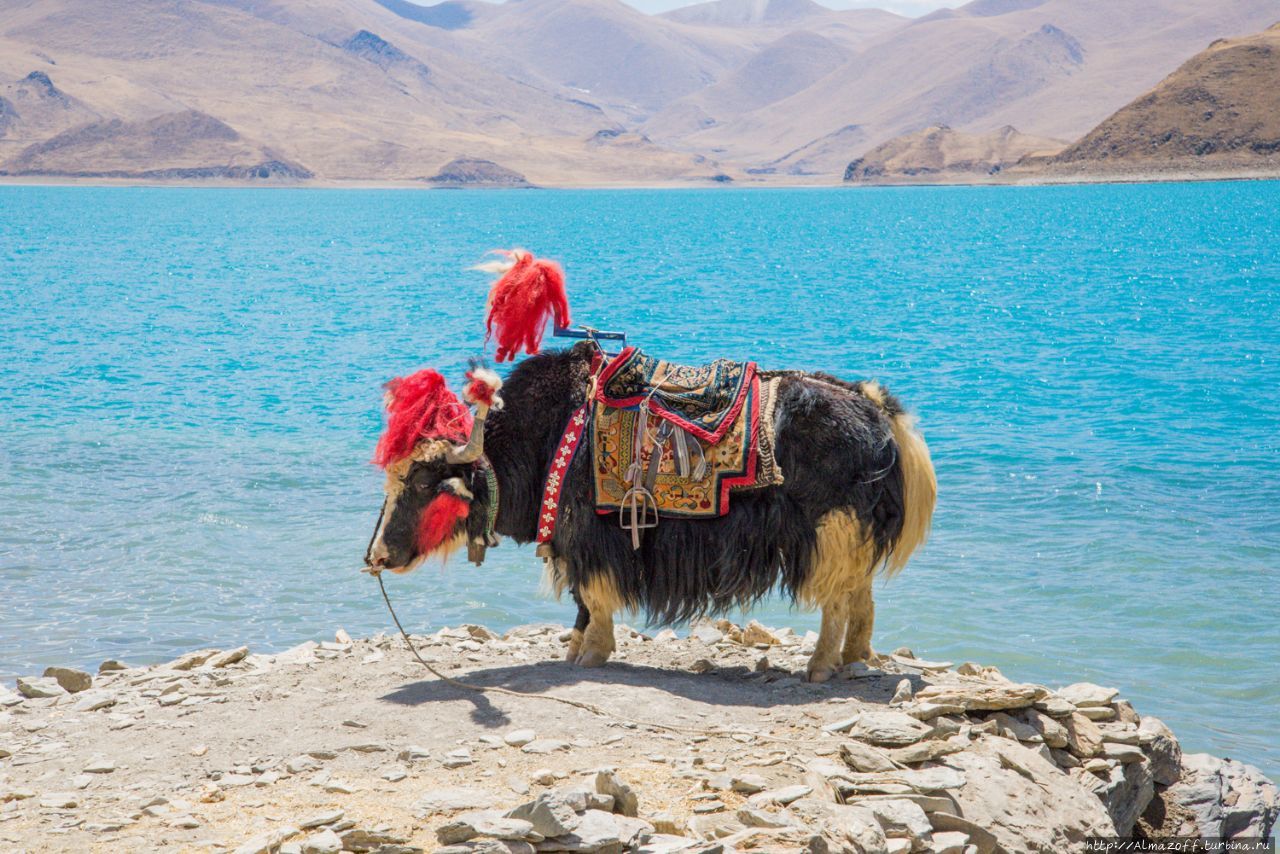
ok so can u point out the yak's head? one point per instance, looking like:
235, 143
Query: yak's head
431, 451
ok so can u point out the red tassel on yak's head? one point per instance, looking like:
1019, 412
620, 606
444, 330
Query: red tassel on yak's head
528, 294
420, 406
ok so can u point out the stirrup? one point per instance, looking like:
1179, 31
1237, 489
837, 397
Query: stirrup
643, 513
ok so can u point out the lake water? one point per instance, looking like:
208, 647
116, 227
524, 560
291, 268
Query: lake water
189, 397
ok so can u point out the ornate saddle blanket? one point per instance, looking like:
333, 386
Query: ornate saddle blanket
712, 425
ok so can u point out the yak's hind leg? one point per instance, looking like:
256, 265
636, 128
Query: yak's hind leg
862, 618
827, 652
839, 583
600, 595
574, 648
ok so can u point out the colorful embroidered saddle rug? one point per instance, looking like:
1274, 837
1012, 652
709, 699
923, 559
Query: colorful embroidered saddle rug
725, 407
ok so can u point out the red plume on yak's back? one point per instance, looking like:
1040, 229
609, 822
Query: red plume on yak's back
529, 292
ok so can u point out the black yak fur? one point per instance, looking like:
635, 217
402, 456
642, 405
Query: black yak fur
835, 447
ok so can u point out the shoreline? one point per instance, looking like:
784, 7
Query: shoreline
710, 739
1012, 179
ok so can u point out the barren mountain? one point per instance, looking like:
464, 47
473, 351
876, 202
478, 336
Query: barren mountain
562, 91
1219, 110
940, 154
1053, 68
334, 99
188, 144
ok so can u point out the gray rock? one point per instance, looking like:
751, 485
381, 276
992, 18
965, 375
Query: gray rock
192, 660
37, 687
1027, 803
224, 659
979, 837
1227, 798
437, 801
324, 842
94, 701
519, 737
889, 728
864, 757
748, 784
991, 696
780, 797
852, 827
1086, 694
1125, 753
362, 840
1163, 750
1097, 713
72, 681
1126, 792
901, 694
1054, 706
753, 817
1084, 739
1016, 728
544, 746
1053, 732
301, 764
321, 819
707, 633
100, 766
597, 831
624, 797
486, 823
903, 818
550, 814
263, 843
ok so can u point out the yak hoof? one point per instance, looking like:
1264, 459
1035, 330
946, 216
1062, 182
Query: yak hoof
592, 658
820, 674
575, 646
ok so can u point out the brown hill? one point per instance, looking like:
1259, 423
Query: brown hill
940, 154
188, 144
1221, 109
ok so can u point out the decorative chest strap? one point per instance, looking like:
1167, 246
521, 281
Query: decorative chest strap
565, 452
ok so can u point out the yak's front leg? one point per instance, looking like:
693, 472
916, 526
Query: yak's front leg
579, 627
600, 595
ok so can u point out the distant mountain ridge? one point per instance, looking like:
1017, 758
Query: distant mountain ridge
756, 90
1219, 109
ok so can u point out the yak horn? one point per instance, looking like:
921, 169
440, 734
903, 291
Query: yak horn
471, 451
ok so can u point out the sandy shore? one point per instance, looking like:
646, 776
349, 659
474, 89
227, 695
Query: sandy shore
710, 742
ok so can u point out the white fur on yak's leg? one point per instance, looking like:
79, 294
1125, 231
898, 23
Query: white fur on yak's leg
600, 595
841, 564
827, 653
862, 619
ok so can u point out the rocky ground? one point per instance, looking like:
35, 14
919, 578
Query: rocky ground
352, 746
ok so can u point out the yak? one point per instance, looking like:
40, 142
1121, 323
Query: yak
856, 499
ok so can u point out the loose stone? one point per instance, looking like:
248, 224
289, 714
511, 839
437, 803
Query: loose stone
72, 681
519, 737
36, 688
1086, 694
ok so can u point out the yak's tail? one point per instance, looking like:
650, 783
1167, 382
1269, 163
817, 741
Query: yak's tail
919, 483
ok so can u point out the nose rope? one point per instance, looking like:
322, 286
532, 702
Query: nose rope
577, 704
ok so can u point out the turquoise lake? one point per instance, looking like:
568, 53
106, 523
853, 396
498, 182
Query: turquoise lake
190, 391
